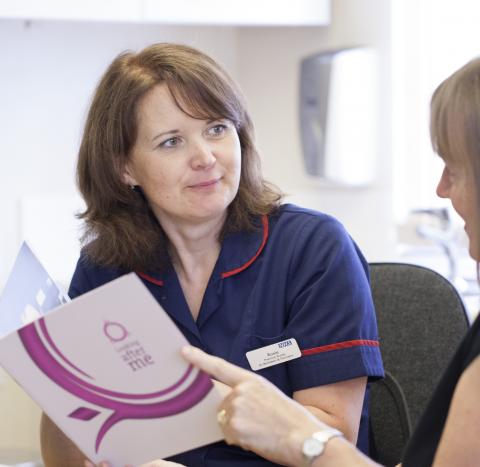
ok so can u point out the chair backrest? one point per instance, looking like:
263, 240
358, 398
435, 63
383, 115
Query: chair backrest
421, 320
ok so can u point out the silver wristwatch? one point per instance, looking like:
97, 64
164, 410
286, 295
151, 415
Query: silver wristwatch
314, 446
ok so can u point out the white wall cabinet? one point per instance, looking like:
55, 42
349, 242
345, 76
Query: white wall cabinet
199, 12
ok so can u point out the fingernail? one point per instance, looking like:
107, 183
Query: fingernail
187, 350
87, 463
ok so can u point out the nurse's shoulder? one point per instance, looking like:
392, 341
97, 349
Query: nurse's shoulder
88, 276
297, 223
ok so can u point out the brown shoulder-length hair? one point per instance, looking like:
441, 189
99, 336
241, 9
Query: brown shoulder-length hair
455, 123
120, 228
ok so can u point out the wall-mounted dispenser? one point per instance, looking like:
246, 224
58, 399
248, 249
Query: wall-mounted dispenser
338, 115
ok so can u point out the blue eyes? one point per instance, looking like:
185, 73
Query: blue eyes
214, 131
217, 130
170, 142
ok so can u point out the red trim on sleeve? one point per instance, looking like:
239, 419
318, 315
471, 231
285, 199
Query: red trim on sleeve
149, 278
340, 345
251, 260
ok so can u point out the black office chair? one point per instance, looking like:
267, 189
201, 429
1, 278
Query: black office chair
421, 320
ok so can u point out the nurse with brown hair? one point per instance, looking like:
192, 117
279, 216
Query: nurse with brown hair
173, 189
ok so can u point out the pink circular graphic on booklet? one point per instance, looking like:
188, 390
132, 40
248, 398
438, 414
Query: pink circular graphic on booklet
180, 396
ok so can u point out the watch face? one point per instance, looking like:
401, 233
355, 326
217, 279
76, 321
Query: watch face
312, 448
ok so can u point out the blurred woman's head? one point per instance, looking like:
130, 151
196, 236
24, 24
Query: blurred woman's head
121, 229
455, 133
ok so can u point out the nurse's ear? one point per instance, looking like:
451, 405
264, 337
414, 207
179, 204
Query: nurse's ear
128, 177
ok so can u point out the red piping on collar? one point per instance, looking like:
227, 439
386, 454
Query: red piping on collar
340, 345
228, 273
149, 278
251, 260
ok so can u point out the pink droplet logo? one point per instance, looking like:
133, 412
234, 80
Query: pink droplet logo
116, 332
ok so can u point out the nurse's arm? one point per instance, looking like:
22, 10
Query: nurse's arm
338, 405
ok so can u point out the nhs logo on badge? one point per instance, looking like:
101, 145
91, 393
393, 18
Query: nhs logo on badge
284, 344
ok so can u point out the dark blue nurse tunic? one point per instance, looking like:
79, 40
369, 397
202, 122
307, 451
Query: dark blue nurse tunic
299, 276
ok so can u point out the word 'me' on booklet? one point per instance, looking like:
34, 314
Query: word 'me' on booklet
106, 367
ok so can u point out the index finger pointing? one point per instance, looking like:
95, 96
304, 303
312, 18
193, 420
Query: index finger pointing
216, 367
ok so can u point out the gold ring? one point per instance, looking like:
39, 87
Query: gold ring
222, 417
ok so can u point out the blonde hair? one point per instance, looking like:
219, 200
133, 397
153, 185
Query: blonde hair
455, 123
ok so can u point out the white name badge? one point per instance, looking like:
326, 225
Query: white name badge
273, 354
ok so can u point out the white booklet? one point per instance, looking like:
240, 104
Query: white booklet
106, 367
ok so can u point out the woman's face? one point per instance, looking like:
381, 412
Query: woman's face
188, 169
457, 185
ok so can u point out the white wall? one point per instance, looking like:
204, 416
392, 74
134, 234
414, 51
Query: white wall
269, 61
432, 39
